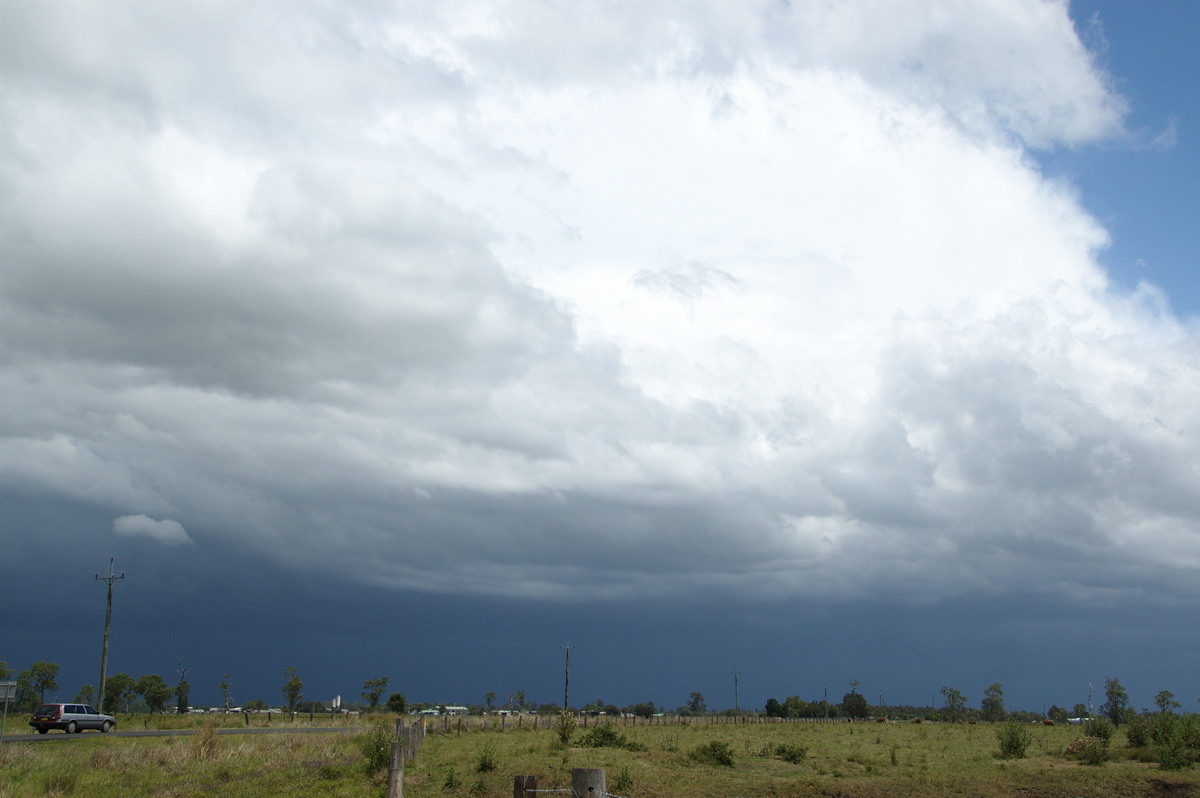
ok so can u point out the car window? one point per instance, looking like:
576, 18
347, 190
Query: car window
90, 710
71, 709
47, 709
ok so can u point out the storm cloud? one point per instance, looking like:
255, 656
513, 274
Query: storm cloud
764, 299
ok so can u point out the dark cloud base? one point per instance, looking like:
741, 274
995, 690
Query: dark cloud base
215, 611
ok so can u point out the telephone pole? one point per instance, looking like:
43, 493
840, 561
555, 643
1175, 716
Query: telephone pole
567, 679
107, 623
737, 707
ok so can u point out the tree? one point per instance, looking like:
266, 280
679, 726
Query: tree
1057, 714
119, 690
489, 698
643, 710
397, 703
86, 694
1116, 701
293, 688
181, 696
795, 707
956, 703
854, 704
27, 699
155, 691
226, 695
5, 671
773, 709
991, 708
696, 704
1079, 711
1165, 701
373, 690
43, 676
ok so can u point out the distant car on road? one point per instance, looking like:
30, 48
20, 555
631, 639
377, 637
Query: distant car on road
71, 718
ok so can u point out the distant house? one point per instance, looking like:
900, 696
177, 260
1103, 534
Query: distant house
446, 709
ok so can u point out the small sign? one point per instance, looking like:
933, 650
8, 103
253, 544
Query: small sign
8, 691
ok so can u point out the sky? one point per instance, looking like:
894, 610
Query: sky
747, 348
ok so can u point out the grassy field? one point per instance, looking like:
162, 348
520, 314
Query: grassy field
849, 760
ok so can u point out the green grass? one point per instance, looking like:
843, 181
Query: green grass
863, 760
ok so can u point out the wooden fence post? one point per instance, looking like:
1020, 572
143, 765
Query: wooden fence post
588, 783
522, 784
395, 786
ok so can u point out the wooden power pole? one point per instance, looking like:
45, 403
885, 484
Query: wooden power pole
107, 623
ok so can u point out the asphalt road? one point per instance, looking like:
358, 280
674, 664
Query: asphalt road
56, 736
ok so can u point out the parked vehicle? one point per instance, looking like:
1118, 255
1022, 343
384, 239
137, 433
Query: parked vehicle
71, 718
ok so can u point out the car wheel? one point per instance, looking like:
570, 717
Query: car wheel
72, 728
105, 726
42, 730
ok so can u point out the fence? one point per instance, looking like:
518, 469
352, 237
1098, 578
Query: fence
457, 724
585, 783
404, 750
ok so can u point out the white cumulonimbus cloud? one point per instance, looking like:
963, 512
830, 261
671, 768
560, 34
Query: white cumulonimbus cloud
756, 297
143, 526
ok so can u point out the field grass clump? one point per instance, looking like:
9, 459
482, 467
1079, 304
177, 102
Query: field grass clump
623, 783
607, 736
204, 743
486, 759
1088, 750
791, 753
716, 752
1014, 739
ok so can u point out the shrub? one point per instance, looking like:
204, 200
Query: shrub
1138, 731
486, 760
564, 727
376, 746
1100, 728
1190, 726
1164, 725
1173, 753
1014, 738
791, 753
716, 752
1090, 750
607, 736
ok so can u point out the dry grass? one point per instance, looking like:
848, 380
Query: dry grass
848, 760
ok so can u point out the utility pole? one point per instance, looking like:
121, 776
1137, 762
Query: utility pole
107, 623
737, 707
567, 679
